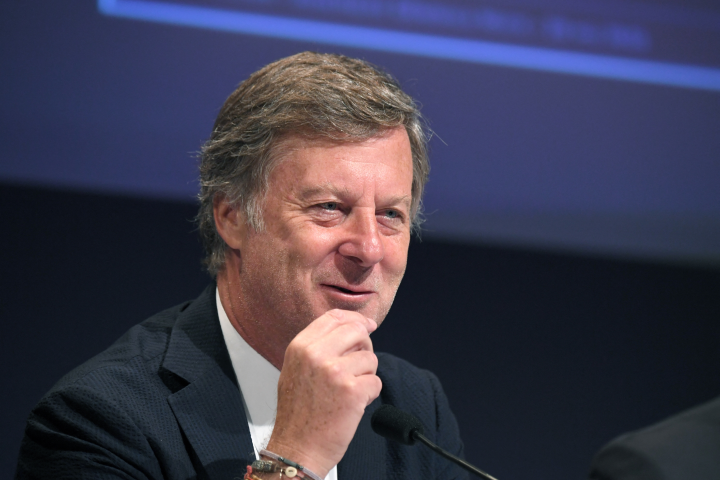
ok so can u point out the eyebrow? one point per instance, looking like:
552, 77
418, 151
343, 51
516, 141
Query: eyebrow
403, 199
323, 189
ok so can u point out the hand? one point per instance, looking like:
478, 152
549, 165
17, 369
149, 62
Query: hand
327, 380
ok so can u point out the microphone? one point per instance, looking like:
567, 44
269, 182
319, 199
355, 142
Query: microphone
394, 424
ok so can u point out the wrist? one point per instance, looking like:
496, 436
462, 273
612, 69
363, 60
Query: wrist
255, 475
267, 469
284, 465
312, 461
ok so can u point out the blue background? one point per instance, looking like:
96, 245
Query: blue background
522, 156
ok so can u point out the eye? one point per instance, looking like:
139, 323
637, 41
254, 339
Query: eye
330, 206
391, 214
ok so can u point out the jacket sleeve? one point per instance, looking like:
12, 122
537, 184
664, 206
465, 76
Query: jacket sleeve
77, 432
620, 461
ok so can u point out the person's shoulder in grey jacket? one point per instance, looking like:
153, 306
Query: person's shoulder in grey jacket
683, 447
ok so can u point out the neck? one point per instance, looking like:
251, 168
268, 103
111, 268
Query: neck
262, 334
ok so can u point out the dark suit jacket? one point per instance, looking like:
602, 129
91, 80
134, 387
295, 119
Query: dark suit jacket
163, 402
683, 447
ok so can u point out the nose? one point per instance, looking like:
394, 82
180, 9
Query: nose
363, 243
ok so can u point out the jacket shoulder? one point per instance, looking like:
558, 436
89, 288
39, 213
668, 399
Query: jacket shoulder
109, 417
682, 446
146, 340
400, 376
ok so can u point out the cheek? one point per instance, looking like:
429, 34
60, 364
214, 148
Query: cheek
395, 259
311, 248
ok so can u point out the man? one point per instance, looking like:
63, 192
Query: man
311, 185
685, 446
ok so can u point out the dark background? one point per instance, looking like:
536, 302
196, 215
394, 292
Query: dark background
544, 357
567, 288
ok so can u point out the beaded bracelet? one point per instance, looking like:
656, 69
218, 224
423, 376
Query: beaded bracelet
301, 471
249, 475
269, 466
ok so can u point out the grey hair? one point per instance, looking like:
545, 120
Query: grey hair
319, 96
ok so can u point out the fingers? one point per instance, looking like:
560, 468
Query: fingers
347, 338
371, 385
352, 378
327, 379
336, 317
356, 364
336, 333
349, 316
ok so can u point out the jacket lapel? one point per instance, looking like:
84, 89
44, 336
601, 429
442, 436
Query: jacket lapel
209, 409
365, 457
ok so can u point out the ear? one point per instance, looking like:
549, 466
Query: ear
230, 222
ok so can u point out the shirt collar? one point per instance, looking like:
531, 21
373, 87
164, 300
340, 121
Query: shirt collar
257, 378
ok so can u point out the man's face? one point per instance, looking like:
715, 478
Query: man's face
337, 231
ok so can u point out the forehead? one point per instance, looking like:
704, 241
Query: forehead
309, 166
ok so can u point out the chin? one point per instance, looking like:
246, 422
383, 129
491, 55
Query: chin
366, 308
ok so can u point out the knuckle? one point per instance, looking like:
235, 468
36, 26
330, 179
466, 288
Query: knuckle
336, 314
312, 356
349, 387
377, 385
293, 349
357, 328
333, 369
373, 360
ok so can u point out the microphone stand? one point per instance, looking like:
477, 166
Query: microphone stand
470, 468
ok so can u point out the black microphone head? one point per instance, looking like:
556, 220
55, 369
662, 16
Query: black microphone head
391, 422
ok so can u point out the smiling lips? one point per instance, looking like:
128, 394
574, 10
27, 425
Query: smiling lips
347, 291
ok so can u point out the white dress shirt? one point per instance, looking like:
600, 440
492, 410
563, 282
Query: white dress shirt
258, 380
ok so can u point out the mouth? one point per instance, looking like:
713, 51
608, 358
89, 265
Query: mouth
347, 291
